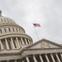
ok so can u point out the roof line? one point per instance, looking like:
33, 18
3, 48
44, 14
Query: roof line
46, 41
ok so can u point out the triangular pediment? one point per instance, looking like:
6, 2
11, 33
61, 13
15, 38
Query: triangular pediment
44, 44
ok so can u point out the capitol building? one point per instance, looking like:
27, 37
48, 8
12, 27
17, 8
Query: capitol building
17, 46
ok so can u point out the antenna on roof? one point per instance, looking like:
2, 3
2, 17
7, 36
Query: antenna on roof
0, 12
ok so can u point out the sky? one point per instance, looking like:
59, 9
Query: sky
47, 13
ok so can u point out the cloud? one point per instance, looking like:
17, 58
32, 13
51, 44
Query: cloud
48, 13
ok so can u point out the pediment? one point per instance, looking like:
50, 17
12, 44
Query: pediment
44, 44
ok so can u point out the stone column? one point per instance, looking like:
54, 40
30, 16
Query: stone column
12, 44
3, 30
29, 41
47, 58
7, 46
2, 47
58, 58
61, 55
26, 41
35, 60
27, 59
52, 58
41, 58
22, 41
7, 29
11, 28
17, 43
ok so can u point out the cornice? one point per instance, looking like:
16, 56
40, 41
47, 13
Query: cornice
26, 52
16, 35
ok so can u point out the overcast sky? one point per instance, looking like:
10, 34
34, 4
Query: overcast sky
48, 13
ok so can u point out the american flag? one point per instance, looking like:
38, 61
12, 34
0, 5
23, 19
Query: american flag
36, 25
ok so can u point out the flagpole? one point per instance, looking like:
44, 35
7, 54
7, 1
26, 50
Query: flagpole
36, 25
36, 33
